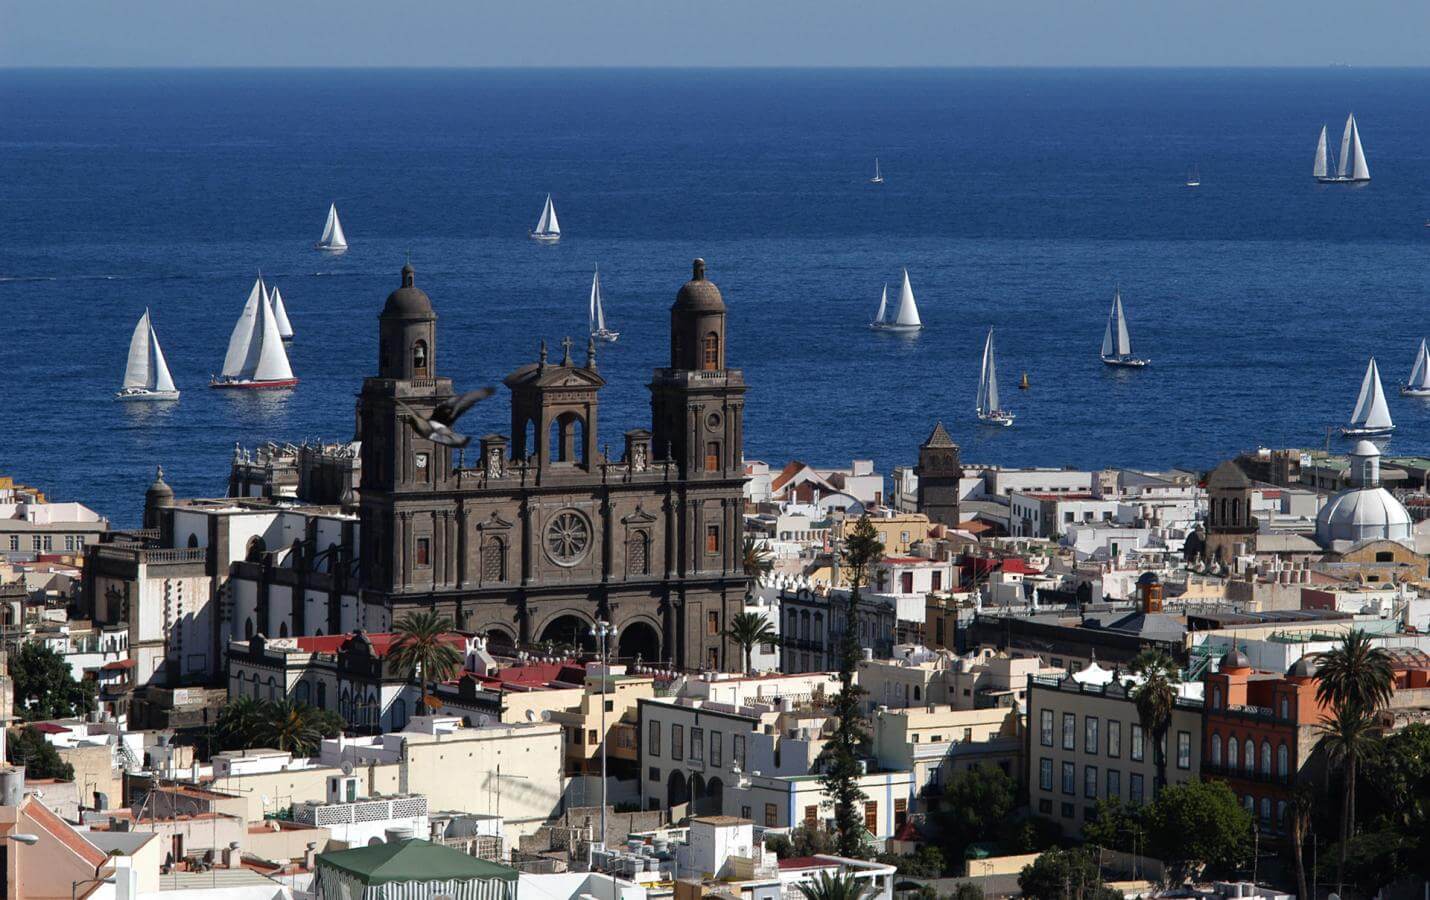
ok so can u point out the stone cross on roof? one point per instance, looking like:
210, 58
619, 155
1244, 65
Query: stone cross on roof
566, 347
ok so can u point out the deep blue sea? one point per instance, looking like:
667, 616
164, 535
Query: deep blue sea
1017, 199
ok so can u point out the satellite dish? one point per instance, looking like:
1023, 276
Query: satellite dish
531, 715
347, 770
546, 715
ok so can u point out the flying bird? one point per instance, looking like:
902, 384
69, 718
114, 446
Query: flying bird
438, 427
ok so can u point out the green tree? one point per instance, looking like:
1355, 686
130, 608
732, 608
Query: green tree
1355, 680
974, 805
27, 747
421, 650
238, 723
748, 629
840, 757
1117, 826
44, 687
293, 727
1199, 824
1061, 874
1399, 778
925, 862
1155, 698
756, 555
825, 886
966, 890
328, 722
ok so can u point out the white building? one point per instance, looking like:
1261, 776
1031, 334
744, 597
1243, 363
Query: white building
358, 820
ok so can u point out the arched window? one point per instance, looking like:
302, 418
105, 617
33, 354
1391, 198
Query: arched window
248, 628
1235, 511
804, 624
1250, 803
283, 629
1266, 810
917, 692
1216, 698
1216, 749
818, 626
1285, 708
399, 713
322, 695
638, 554
303, 693
272, 688
1248, 758
419, 358
256, 549
255, 687
710, 352
1265, 757
193, 541
1283, 762
494, 560
1280, 815
1231, 752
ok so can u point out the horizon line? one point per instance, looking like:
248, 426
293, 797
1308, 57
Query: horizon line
714, 67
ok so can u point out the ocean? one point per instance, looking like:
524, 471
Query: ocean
1017, 199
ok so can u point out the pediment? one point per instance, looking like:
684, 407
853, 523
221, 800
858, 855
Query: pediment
495, 522
638, 517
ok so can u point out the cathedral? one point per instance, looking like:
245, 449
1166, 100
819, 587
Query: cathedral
539, 533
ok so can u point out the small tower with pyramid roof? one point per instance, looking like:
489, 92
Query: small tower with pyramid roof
939, 472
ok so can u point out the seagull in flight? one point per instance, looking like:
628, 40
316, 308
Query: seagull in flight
438, 427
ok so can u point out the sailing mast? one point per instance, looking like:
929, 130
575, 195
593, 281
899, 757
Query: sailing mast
596, 314
988, 407
255, 357
1371, 415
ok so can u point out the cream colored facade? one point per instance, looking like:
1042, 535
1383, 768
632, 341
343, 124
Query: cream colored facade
897, 532
583, 723
936, 742
270, 792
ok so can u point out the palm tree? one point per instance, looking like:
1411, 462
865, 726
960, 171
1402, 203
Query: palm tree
1355, 680
835, 887
1155, 698
238, 721
420, 647
748, 629
290, 726
1298, 825
757, 557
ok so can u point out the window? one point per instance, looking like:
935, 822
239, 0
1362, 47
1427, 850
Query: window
712, 622
1089, 738
1248, 758
1069, 731
638, 554
901, 812
938, 581
1280, 815
1114, 784
745, 813
1266, 810
1216, 698
494, 560
811, 816
712, 456
1069, 778
1045, 806
1285, 708
1283, 762
772, 816
1067, 810
677, 742
35, 543
1216, 750
421, 464
49, 543
710, 347
1184, 751
1089, 782
419, 358
1114, 738
716, 745
424, 551
712, 538
1138, 748
1134, 789
697, 745
14, 543
654, 774
654, 742
1045, 774
871, 816
1232, 754
1265, 757
739, 751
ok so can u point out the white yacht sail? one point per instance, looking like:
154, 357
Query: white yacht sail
596, 315
163, 382
908, 314
333, 237
1345, 147
1371, 414
280, 314
270, 360
547, 228
146, 373
242, 336
1418, 384
1116, 342
988, 378
256, 357
883, 307
1321, 170
1358, 170
878, 177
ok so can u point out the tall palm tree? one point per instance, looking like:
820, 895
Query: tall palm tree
1298, 825
1155, 698
757, 557
238, 722
1355, 680
835, 887
748, 629
420, 648
290, 726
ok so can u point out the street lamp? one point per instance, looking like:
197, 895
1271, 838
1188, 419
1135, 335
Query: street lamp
603, 631
27, 839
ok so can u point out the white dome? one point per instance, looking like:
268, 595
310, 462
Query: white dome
1362, 514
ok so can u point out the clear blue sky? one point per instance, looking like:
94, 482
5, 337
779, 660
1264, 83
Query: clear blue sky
713, 33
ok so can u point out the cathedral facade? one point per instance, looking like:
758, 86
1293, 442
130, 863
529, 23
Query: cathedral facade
540, 534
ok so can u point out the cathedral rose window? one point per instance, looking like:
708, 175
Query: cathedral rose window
567, 538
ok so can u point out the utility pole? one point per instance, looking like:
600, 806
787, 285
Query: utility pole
603, 632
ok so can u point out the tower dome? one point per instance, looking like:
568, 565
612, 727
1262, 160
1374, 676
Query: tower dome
1235, 660
409, 301
1365, 511
159, 496
698, 294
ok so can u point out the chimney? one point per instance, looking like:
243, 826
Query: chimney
232, 857
310, 855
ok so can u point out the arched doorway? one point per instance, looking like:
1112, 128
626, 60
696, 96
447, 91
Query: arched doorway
638, 639
715, 797
498, 641
676, 790
568, 632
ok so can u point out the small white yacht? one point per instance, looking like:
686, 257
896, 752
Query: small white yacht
1194, 178
256, 359
878, 177
596, 315
1116, 343
1350, 167
906, 319
547, 228
1419, 383
989, 410
146, 374
333, 239
1371, 417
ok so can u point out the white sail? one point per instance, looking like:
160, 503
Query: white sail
280, 314
1345, 156
1371, 410
548, 225
597, 314
333, 237
1124, 341
877, 176
158, 366
238, 342
883, 306
1115, 340
1321, 170
1358, 169
269, 359
1107, 335
988, 379
908, 314
137, 371
1420, 374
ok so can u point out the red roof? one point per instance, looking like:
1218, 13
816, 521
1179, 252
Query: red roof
381, 643
907, 560
118, 664
807, 862
1015, 566
788, 472
61, 830
50, 728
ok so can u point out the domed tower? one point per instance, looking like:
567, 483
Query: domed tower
159, 497
406, 540
1365, 511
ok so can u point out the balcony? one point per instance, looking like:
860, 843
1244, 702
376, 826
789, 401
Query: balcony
1238, 773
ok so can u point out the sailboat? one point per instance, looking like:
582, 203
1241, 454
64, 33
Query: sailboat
1351, 166
989, 412
146, 374
333, 239
547, 228
256, 358
1116, 344
1371, 416
280, 314
1194, 178
596, 317
906, 319
878, 178
1419, 383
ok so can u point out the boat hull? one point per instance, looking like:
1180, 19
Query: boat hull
898, 329
329, 248
140, 394
1366, 432
1332, 179
876, 181
999, 419
609, 337
545, 238
222, 384
1414, 392
1125, 363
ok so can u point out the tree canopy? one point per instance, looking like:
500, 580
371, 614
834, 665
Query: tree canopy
28, 748
1058, 874
44, 687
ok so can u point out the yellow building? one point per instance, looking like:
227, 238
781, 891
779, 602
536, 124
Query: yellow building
619, 692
